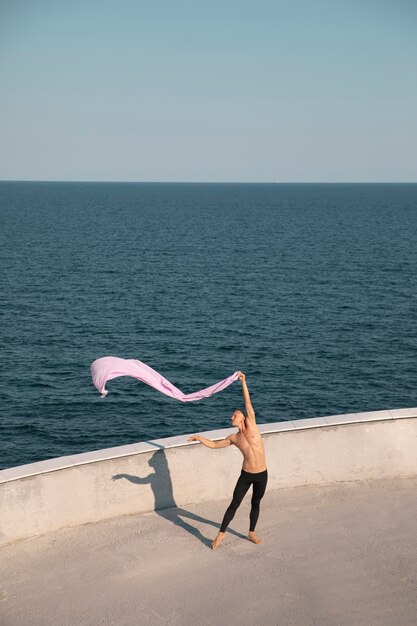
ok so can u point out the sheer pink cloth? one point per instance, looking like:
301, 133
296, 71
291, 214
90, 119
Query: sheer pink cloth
109, 367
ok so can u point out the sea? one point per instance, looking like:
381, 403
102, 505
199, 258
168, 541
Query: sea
310, 289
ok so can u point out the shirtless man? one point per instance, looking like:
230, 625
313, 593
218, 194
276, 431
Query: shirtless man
249, 441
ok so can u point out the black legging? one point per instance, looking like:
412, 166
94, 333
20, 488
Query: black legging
246, 479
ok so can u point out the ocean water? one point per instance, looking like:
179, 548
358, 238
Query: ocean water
309, 289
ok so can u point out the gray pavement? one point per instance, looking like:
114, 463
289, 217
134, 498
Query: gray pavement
337, 555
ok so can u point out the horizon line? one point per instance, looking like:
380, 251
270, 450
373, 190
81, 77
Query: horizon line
215, 182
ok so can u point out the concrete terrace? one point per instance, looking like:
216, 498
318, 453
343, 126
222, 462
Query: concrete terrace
342, 554
338, 524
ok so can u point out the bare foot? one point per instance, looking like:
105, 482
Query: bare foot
218, 540
254, 538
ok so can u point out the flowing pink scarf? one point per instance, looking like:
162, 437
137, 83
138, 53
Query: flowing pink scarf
109, 367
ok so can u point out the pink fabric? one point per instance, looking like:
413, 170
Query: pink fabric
109, 367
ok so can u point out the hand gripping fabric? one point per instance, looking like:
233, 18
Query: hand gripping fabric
109, 367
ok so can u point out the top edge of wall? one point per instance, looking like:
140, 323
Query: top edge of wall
63, 462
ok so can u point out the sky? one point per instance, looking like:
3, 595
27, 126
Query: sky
216, 90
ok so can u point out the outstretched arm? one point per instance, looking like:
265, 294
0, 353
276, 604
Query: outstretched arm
133, 479
223, 443
248, 404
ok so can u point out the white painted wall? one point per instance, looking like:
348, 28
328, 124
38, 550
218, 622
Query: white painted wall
68, 491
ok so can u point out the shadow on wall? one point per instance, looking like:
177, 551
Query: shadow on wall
165, 505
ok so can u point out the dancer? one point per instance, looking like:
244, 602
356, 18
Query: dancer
249, 441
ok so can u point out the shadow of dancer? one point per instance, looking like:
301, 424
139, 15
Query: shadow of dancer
165, 505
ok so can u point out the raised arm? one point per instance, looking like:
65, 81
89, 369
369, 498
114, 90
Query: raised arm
250, 413
223, 443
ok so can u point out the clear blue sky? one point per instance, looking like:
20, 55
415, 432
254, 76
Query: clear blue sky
191, 90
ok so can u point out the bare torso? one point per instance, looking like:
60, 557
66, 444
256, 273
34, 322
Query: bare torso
251, 446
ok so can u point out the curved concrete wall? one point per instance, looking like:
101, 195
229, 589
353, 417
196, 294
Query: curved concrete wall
72, 490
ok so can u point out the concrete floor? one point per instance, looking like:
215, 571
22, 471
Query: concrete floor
339, 555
